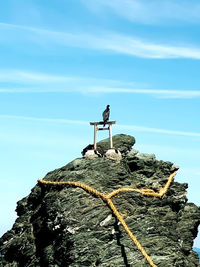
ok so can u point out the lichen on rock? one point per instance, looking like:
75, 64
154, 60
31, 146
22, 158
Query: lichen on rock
67, 226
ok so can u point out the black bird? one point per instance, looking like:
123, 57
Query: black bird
106, 114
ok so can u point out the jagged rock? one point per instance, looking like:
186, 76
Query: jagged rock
67, 226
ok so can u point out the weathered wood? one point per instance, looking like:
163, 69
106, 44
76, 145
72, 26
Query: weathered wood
102, 123
95, 137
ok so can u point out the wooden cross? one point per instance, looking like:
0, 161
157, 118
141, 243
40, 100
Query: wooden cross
101, 129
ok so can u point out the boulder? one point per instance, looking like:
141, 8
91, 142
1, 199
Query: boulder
68, 226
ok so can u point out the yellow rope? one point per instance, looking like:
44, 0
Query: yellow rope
134, 239
76, 184
107, 199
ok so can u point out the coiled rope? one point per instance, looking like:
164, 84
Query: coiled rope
107, 198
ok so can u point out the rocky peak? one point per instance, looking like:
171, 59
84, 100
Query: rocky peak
122, 142
67, 226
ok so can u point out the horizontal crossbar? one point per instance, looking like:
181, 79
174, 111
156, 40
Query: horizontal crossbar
101, 129
102, 123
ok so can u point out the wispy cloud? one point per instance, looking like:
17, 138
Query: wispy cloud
20, 81
154, 92
149, 12
86, 123
23, 76
104, 41
157, 130
44, 119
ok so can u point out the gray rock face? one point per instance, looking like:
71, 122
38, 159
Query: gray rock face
67, 226
122, 142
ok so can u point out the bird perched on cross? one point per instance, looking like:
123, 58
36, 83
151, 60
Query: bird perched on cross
106, 115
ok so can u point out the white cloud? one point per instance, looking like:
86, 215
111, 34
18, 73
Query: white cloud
27, 76
20, 81
154, 92
149, 11
124, 127
44, 119
104, 41
157, 130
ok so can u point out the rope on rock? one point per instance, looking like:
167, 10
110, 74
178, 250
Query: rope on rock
107, 198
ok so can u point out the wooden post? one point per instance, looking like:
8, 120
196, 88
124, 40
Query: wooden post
110, 135
95, 137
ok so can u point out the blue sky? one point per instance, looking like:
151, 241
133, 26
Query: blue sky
62, 62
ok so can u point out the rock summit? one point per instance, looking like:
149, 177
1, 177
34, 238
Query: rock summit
68, 226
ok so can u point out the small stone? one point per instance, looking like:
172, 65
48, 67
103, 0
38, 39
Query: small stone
174, 168
91, 154
107, 219
113, 154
